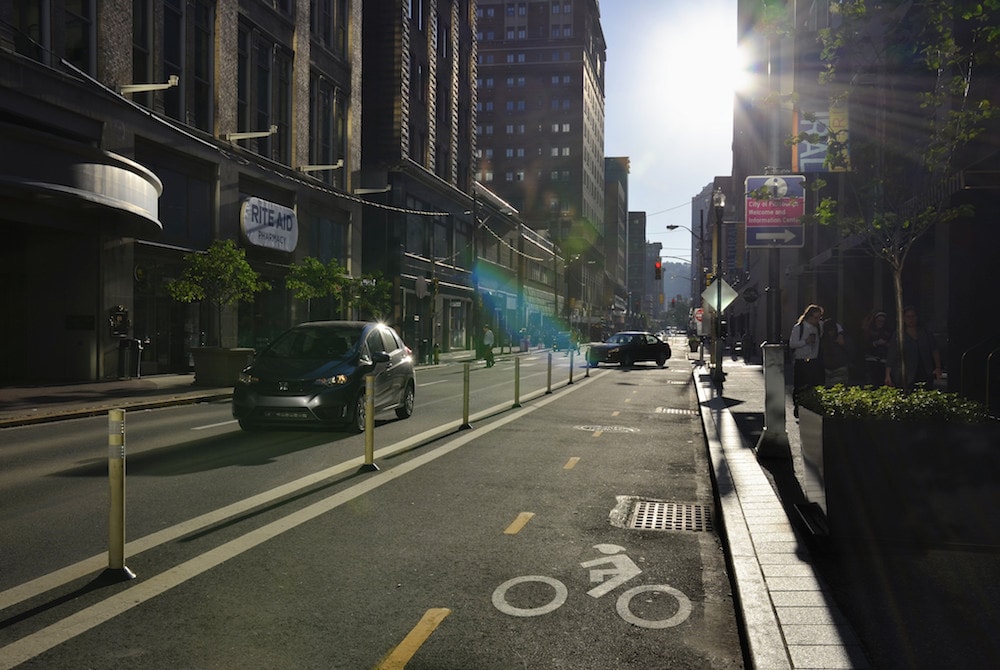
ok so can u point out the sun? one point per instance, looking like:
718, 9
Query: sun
693, 70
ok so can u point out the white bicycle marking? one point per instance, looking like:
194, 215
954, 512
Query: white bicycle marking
625, 600
624, 569
500, 596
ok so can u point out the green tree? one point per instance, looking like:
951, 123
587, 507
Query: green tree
905, 71
220, 276
371, 296
310, 279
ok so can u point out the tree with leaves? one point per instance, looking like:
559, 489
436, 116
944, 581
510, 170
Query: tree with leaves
371, 296
220, 276
311, 279
906, 72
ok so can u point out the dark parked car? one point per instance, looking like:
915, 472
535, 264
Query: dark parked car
629, 347
314, 374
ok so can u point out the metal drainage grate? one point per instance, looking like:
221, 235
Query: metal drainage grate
657, 515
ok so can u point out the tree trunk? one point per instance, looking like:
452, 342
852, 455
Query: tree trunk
897, 280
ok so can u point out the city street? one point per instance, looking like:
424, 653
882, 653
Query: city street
574, 531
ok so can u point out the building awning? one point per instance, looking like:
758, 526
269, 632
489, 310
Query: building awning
55, 181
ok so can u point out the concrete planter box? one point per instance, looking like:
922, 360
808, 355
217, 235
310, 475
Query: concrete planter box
215, 366
914, 482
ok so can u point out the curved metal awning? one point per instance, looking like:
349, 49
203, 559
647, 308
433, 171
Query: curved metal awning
55, 181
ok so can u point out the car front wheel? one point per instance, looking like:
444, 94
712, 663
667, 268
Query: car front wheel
661, 360
360, 411
405, 409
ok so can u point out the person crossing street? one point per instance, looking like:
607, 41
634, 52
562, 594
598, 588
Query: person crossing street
488, 342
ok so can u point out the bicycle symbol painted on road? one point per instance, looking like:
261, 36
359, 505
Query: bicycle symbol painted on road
622, 569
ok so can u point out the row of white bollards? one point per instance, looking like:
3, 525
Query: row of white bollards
116, 457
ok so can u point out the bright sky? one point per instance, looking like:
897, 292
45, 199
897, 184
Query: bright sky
671, 72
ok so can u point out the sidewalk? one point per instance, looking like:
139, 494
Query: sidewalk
789, 616
829, 603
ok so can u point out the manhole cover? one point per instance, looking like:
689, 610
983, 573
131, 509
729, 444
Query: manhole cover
659, 515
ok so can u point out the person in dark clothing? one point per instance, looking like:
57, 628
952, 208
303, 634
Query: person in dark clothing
877, 338
920, 358
488, 343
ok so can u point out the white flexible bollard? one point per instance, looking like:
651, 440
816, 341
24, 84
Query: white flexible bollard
369, 463
517, 382
465, 398
116, 485
548, 384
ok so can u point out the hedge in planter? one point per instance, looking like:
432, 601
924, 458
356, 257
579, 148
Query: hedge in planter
906, 467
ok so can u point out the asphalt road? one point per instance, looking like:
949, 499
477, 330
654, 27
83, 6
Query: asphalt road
320, 564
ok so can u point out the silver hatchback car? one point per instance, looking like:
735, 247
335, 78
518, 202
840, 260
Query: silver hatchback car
314, 374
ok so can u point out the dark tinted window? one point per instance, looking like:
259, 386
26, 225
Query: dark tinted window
374, 340
324, 343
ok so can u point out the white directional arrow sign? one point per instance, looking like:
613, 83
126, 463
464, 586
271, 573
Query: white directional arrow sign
784, 236
710, 296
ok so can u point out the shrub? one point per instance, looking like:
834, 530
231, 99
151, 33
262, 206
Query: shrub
892, 404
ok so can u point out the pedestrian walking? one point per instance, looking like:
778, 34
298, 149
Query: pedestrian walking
833, 350
920, 362
877, 336
488, 343
804, 343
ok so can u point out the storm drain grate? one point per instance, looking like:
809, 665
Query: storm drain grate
657, 515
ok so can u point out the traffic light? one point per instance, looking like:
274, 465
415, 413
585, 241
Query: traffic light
658, 269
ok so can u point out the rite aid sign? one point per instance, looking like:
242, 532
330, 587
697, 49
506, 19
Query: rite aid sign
266, 224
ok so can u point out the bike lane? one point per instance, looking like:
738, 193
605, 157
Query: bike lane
423, 571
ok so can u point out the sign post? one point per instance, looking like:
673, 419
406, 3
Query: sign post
775, 206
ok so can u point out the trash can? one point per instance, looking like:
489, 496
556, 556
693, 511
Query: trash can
129, 357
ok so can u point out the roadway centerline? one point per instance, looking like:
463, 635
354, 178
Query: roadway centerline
519, 523
404, 651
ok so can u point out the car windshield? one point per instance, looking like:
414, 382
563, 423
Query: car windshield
314, 343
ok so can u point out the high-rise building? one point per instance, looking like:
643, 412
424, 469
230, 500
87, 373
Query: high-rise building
417, 131
540, 124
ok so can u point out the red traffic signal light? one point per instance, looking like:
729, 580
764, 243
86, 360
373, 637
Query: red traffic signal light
658, 269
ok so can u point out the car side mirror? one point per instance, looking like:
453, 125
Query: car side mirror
380, 357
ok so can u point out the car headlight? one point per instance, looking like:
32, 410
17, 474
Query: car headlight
335, 380
248, 378
614, 350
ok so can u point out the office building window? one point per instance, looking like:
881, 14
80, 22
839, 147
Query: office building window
327, 124
264, 70
187, 42
80, 34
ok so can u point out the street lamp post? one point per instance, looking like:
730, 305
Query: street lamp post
719, 203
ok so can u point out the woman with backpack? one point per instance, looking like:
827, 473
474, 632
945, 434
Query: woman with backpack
804, 345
